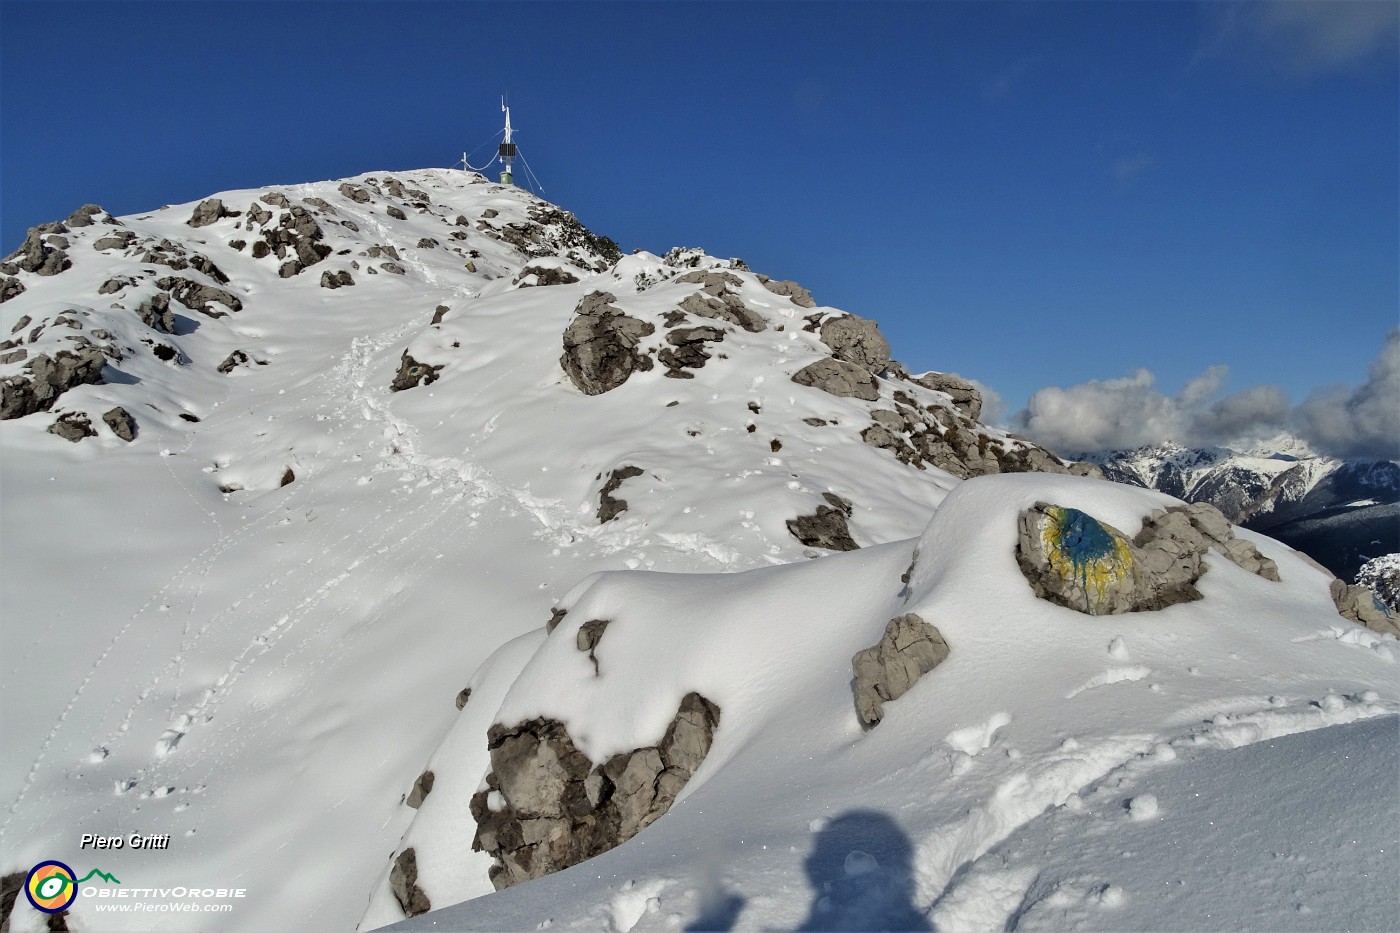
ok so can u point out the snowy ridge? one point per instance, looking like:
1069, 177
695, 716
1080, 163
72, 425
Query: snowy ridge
1037, 710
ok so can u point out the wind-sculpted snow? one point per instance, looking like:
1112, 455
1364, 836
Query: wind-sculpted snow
1034, 709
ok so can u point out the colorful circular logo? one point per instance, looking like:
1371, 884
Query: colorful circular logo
51, 886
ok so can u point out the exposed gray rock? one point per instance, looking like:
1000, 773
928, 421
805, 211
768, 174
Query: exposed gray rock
48, 378
600, 345
295, 240
590, 634
839, 378
547, 807
83, 216
207, 212
687, 350
392, 267
403, 881
545, 275
825, 528
884, 672
1360, 605
10, 287
257, 215
276, 199
556, 615
966, 398
37, 254
14, 356
463, 697
856, 340
358, 195
232, 361
114, 285
336, 279
320, 204
412, 373
609, 507
427, 243
155, 312
198, 297
1072, 559
73, 426
799, 295
121, 423
421, 788
378, 252
395, 213
726, 306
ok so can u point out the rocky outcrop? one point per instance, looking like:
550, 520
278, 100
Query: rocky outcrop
121, 423
155, 313
233, 361
610, 507
354, 193
10, 287
966, 398
1360, 605
72, 426
600, 345
43, 252
84, 216
421, 789
799, 295
412, 373
858, 341
885, 671
208, 211
825, 528
687, 350
395, 213
1072, 559
338, 279
120, 239
719, 299
838, 378
198, 297
403, 881
547, 807
48, 378
296, 240
545, 275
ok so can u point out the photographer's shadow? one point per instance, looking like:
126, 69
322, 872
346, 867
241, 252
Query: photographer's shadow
861, 873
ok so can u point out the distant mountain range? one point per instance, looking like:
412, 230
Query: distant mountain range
1340, 512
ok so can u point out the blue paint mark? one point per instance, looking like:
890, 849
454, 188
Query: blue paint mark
1084, 539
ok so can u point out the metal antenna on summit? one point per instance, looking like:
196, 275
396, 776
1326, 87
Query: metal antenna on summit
507, 150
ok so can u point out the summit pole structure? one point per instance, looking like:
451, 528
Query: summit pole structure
507, 150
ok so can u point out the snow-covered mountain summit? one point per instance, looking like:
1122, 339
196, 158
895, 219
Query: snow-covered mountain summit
283, 467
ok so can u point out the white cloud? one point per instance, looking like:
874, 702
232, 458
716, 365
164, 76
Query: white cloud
1117, 414
1361, 423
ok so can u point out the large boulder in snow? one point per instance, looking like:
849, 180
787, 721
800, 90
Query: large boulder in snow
1359, 604
825, 528
49, 377
546, 806
856, 340
207, 212
1073, 559
72, 426
839, 378
609, 506
600, 345
403, 881
885, 671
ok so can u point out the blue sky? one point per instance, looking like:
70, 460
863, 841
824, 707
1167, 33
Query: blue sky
1031, 195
